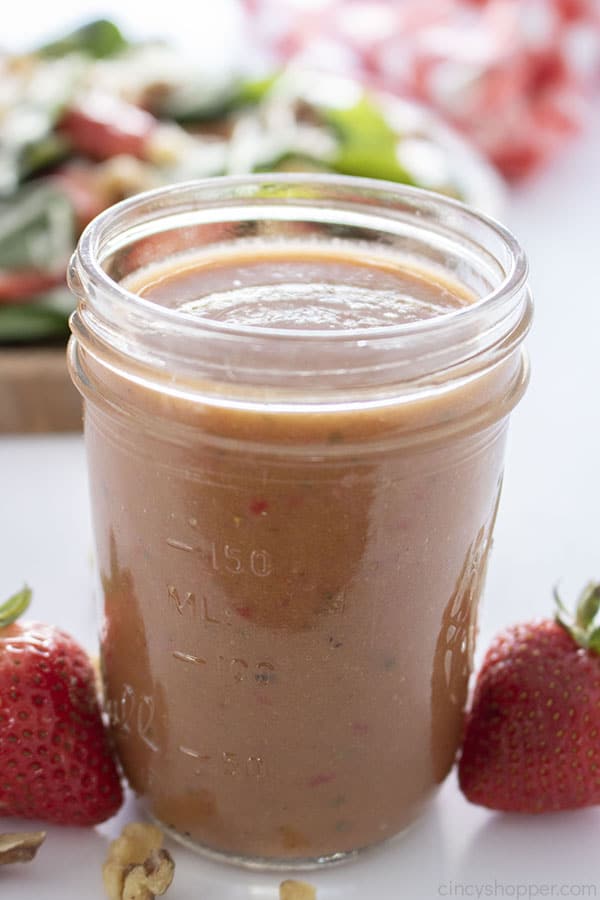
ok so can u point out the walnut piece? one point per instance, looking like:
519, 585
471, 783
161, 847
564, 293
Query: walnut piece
121, 176
137, 867
149, 879
20, 847
297, 890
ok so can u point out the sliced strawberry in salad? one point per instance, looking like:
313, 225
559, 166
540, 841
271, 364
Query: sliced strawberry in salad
101, 126
19, 285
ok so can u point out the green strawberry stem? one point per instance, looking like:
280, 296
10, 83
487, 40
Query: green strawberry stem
14, 607
582, 626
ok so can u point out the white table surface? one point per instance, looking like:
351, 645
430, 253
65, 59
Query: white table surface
547, 530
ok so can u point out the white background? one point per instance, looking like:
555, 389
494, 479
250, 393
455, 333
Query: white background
547, 531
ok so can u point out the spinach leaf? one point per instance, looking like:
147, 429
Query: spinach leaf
367, 143
33, 322
97, 39
42, 154
37, 229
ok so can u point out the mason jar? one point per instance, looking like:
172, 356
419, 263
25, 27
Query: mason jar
292, 524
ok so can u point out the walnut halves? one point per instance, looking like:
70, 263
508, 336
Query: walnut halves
296, 890
137, 866
20, 847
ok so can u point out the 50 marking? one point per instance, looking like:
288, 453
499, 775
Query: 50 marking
237, 561
226, 763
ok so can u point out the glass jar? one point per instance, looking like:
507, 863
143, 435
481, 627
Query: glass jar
292, 526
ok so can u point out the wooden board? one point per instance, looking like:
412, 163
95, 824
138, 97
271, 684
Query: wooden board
36, 393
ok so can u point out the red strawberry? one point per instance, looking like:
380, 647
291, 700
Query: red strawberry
532, 735
103, 126
55, 759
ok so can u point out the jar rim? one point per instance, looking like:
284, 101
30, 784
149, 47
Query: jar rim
110, 310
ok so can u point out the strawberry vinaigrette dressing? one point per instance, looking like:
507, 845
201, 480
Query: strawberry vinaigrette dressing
293, 531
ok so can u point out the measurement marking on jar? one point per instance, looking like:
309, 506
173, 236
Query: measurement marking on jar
126, 707
145, 717
189, 658
238, 667
181, 601
180, 545
187, 600
228, 558
132, 715
238, 561
260, 563
261, 673
195, 754
265, 673
228, 763
252, 766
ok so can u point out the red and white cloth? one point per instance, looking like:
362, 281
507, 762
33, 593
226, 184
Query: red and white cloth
513, 75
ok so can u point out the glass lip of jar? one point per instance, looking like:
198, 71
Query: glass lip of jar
509, 300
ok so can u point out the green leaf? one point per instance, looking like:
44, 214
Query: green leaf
593, 642
588, 605
368, 144
203, 102
37, 229
98, 39
37, 321
581, 626
42, 154
562, 609
253, 90
14, 607
293, 162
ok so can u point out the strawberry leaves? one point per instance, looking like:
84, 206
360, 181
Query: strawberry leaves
14, 607
582, 625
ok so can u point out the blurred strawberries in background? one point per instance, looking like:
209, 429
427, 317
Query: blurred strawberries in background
513, 75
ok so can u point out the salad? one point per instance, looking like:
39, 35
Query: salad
92, 118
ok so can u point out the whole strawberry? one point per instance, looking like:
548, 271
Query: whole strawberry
55, 760
532, 736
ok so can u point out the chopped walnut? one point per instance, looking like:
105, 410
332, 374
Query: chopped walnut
121, 176
20, 847
149, 879
137, 867
297, 890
